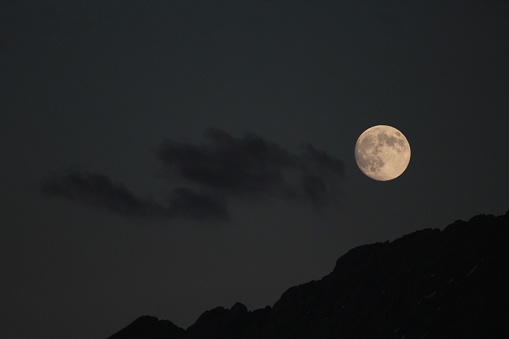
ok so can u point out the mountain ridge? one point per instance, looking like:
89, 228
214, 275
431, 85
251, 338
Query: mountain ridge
449, 283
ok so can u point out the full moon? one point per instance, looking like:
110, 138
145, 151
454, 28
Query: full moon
382, 153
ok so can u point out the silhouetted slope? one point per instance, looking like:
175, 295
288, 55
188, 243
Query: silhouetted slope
436, 284
221, 323
148, 327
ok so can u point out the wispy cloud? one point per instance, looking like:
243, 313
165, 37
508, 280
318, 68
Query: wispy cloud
208, 176
250, 166
99, 190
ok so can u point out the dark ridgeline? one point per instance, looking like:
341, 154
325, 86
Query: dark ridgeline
428, 284
150, 328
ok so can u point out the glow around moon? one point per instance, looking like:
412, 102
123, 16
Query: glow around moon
382, 153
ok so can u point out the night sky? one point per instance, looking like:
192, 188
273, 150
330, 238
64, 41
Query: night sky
168, 157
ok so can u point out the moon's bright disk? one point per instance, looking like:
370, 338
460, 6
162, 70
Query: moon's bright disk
382, 153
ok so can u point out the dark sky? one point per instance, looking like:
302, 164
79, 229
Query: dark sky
168, 157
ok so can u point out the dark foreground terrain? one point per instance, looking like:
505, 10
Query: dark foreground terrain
428, 284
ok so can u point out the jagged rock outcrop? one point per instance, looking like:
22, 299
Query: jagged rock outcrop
436, 284
221, 323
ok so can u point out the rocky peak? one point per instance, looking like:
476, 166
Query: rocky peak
430, 283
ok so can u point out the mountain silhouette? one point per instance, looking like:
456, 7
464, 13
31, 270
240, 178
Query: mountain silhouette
452, 283
150, 328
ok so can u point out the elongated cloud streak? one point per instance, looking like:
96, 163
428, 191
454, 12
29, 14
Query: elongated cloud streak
207, 176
